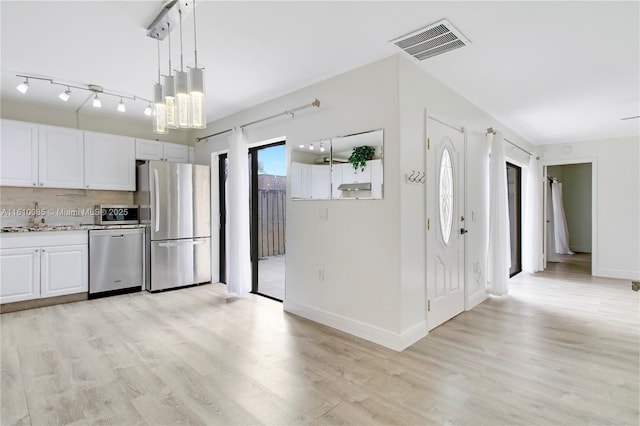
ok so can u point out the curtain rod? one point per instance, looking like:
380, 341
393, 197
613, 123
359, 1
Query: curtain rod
291, 112
493, 132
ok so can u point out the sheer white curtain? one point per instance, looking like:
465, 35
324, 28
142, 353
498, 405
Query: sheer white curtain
499, 253
532, 219
560, 229
237, 196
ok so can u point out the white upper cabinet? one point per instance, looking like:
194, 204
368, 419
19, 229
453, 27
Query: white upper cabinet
109, 161
149, 150
162, 151
176, 153
192, 155
61, 157
18, 153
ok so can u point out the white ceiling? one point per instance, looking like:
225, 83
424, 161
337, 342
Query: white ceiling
552, 71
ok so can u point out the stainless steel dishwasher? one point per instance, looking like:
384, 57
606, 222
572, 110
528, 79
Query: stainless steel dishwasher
115, 260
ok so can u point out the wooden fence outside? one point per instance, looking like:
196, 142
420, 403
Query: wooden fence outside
271, 222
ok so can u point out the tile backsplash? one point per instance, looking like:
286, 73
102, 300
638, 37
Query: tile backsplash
56, 206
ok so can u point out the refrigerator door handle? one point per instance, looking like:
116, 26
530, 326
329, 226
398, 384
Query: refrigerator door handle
157, 200
182, 243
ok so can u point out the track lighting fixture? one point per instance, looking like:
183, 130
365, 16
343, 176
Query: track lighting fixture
95, 89
24, 86
97, 103
65, 95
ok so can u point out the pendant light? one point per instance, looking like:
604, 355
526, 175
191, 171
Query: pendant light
170, 92
159, 113
183, 99
196, 89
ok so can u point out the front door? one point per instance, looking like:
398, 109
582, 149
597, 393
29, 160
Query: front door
445, 222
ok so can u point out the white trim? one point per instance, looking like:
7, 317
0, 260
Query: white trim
615, 273
477, 298
372, 333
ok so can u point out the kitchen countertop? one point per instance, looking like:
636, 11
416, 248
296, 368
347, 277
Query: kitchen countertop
50, 228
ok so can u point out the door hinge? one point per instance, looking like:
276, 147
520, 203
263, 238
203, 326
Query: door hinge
428, 143
428, 224
428, 305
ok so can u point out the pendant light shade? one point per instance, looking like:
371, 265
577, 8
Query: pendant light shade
183, 99
198, 111
170, 101
159, 111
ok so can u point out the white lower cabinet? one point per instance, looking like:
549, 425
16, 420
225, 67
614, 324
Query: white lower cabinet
19, 274
63, 270
43, 270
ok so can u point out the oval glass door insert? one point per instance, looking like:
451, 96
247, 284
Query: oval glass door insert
446, 195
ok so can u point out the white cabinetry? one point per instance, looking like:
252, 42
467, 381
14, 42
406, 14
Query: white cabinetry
320, 182
63, 270
61, 157
109, 161
18, 153
19, 274
162, 151
43, 265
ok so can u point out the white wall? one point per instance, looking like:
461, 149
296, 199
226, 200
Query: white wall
616, 194
44, 114
420, 92
358, 246
372, 251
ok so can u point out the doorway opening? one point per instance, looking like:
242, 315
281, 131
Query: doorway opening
268, 182
514, 185
576, 182
267, 196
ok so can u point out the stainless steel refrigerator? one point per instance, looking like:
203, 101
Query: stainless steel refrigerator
174, 201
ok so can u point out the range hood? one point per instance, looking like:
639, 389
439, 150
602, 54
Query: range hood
355, 187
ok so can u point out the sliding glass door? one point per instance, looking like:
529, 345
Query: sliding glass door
267, 192
515, 216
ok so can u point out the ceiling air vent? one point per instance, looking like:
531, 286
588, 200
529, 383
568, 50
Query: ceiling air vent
433, 40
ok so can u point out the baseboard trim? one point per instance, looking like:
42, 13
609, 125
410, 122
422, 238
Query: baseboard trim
616, 273
396, 341
477, 298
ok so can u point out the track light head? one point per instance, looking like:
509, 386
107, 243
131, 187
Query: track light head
24, 86
65, 95
147, 110
97, 103
121, 106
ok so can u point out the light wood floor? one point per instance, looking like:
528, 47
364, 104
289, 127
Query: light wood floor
555, 351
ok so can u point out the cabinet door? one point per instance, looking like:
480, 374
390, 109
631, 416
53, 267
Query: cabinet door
336, 179
351, 175
192, 155
109, 162
176, 153
18, 153
320, 182
149, 150
61, 157
376, 178
63, 270
19, 274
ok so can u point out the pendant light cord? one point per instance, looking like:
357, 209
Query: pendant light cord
181, 64
169, 33
158, 61
195, 39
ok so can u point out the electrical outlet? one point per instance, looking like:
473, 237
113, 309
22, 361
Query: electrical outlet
321, 274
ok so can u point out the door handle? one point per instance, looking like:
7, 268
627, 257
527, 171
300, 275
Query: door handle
118, 236
463, 231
